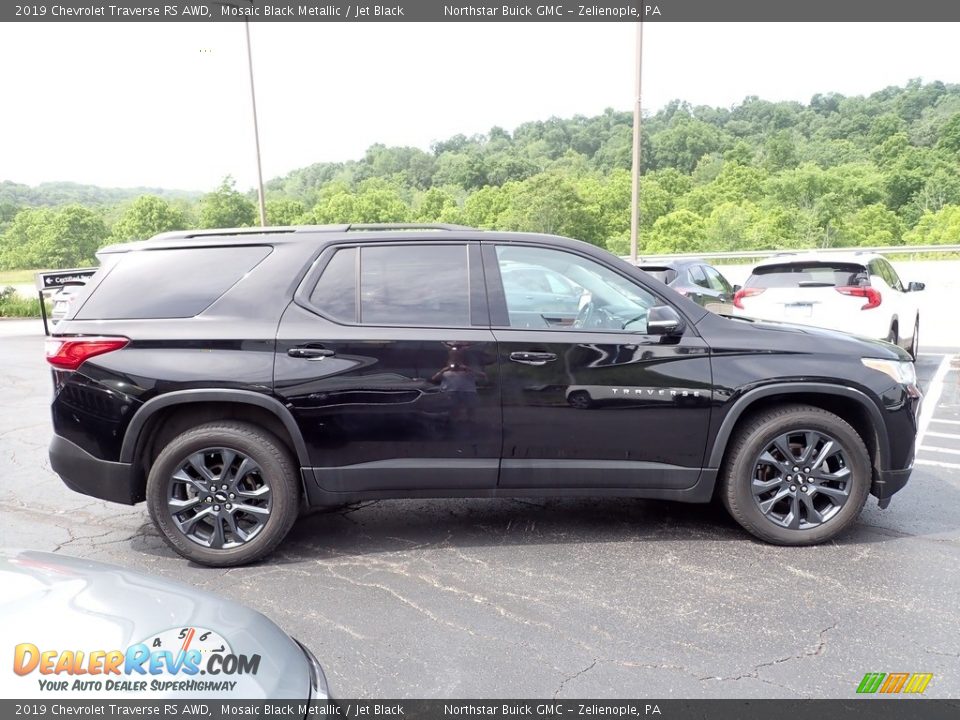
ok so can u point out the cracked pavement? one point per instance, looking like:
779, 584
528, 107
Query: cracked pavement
554, 598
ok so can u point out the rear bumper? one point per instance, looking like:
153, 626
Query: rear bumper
84, 473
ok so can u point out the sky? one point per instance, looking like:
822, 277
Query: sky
168, 104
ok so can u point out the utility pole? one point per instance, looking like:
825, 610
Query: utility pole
256, 129
637, 112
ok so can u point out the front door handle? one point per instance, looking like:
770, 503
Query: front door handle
532, 358
310, 353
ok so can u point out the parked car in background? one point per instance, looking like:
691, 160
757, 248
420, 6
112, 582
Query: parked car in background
67, 293
702, 283
66, 618
859, 293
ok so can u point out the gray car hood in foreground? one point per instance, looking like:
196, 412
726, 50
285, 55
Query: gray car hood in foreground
68, 605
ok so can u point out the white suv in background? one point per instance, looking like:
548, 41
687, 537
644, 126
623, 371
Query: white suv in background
852, 292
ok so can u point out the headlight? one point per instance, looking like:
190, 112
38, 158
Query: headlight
900, 371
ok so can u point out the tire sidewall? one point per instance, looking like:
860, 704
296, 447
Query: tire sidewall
740, 493
274, 462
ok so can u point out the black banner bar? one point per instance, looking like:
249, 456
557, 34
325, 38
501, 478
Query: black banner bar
490, 11
862, 708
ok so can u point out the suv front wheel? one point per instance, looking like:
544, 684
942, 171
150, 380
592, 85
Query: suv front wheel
796, 475
223, 493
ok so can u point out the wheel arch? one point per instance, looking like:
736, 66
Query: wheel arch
169, 414
850, 404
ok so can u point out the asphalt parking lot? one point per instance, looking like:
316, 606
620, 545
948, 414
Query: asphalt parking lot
559, 598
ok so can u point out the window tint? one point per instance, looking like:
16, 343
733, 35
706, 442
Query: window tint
697, 276
336, 292
798, 275
169, 283
426, 285
584, 295
665, 275
890, 275
716, 280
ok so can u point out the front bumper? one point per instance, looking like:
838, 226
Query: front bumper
84, 473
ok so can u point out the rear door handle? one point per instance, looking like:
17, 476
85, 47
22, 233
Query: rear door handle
310, 353
532, 358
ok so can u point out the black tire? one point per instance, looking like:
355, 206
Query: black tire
274, 469
579, 399
915, 343
743, 466
893, 337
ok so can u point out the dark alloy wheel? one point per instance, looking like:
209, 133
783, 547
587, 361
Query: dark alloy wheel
795, 475
224, 493
801, 479
219, 498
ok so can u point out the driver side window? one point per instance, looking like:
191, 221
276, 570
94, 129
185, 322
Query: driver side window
576, 293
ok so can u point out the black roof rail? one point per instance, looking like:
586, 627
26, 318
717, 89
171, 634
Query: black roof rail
405, 226
284, 229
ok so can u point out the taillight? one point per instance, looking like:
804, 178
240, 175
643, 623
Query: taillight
871, 294
742, 293
70, 353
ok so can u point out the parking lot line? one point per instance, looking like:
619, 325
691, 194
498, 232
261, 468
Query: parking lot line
951, 436
945, 422
932, 396
936, 463
933, 448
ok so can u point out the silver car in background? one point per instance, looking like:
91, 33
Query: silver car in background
83, 629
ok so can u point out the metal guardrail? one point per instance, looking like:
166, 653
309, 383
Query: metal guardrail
748, 254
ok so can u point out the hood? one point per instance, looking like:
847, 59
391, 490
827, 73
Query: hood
786, 337
71, 606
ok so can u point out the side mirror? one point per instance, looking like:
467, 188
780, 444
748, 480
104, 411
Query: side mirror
737, 287
916, 287
664, 320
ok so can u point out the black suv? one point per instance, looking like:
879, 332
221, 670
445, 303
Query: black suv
232, 377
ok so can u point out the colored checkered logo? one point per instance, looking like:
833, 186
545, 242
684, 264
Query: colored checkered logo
913, 683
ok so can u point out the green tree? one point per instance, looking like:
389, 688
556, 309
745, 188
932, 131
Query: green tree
375, 201
950, 136
679, 231
872, 226
939, 228
48, 238
549, 203
225, 207
147, 216
437, 205
283, 211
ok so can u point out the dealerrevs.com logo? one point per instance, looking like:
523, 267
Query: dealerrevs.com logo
170, 661
889, 683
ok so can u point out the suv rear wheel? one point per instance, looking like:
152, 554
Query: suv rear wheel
223, 493
796, 475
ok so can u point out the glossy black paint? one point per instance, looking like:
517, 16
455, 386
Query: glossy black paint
480, 410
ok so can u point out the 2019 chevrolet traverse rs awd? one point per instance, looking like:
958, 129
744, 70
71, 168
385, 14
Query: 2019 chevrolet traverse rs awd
230, 377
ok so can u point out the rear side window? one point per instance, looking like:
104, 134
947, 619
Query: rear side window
698, 277
409, 285
415, 285
177, 283
798, 275
336, 292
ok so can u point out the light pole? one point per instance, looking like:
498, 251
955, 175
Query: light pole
256, 129
635, 189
